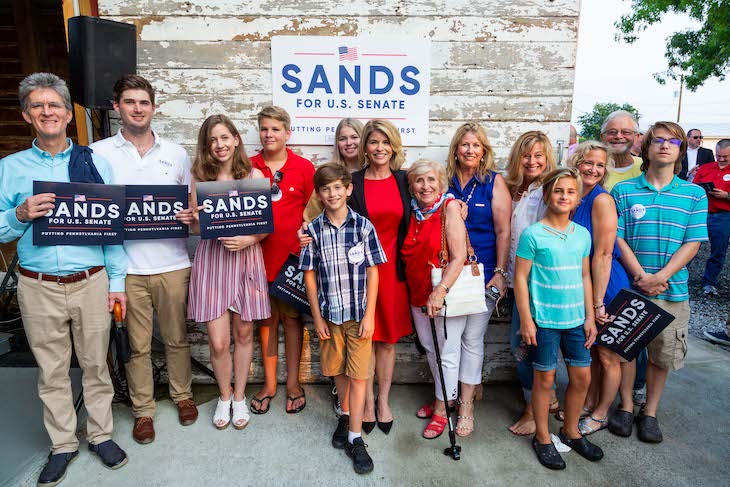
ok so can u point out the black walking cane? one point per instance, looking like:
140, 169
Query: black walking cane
454, 451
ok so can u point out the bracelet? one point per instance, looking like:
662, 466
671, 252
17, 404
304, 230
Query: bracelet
599, 306
499, 270
447, 289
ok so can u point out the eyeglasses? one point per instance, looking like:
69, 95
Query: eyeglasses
660, 141
697, 137
278, 176
614, 132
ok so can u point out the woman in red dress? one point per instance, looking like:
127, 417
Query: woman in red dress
380, 194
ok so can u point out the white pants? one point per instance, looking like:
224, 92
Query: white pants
462, 355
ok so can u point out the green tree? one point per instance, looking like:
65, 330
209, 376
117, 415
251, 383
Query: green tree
591, 122
697, 54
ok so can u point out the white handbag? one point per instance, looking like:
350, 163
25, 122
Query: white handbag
466, 296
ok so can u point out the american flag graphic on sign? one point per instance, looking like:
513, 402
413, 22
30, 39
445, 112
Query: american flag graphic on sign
80, 197
347, 53
147, 197
232, 193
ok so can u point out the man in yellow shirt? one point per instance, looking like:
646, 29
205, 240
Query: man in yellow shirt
618, 132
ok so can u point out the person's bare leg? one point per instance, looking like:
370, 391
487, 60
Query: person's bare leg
343, 391
357, 403
384, 365
594, 389
626, 389
242, 355
610, 383
293, 339
526, 424
369, 412
269, 340
219, 343
575, 396
464, 426
656, 379
541, 387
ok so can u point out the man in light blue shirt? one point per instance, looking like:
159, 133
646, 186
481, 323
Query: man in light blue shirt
65, 293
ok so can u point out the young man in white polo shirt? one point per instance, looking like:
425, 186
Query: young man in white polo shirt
159, 270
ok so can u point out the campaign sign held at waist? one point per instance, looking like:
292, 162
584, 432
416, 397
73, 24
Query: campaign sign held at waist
151, 209
83, 214
289, 285
636, 322
231, 208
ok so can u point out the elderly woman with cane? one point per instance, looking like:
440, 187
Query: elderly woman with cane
421, 252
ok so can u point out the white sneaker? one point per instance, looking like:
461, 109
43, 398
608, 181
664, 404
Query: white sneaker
222, 416
709, 289
241, 416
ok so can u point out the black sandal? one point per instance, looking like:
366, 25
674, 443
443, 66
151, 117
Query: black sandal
256, 404
548, 455
292, 399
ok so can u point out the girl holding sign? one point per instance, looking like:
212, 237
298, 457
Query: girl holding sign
228, 280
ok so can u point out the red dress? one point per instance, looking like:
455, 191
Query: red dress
385, 209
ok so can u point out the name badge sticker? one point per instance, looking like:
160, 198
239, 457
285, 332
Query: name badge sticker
356, 255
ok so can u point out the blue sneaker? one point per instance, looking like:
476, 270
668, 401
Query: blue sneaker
718, 337
55, 470
110, 454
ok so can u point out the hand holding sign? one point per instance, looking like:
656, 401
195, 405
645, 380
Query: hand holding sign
35, 206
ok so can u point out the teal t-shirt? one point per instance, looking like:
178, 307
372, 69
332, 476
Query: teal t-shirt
556, 278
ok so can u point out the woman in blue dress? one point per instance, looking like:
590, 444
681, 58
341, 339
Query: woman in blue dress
597, 213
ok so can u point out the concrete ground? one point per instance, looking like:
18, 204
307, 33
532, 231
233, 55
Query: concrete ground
282, 449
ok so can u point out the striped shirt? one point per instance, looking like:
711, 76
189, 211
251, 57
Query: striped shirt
556, 277
656, 223
340, 257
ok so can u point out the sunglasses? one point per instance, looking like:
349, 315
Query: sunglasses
278, 176
697, 137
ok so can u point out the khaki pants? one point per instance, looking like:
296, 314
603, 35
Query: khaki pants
53, 315
167, 294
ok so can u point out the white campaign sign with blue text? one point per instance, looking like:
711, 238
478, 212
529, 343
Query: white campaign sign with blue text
320, 80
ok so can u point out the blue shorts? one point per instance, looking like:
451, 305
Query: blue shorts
570, 341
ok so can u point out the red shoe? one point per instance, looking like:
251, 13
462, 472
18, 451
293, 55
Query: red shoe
437, 425
426, 411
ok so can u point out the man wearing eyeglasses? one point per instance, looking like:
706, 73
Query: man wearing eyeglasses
619, 132
662, 222
696, 156
718, 220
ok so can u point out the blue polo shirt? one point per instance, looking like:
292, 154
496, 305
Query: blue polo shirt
17, 173
655, 223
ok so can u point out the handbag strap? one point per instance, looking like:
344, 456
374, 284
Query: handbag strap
444, 253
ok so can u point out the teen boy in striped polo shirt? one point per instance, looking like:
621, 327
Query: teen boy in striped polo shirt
662, 222
341, 278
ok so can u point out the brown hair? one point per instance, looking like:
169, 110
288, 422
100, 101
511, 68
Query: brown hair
329, 173
355, 125
676, 131
581, 152
275, 113
132, 82
205, 166
522, 146
551, 178
391, 132
486, 164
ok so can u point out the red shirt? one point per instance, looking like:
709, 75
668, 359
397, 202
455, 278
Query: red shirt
711, 172
420, 254
297, 185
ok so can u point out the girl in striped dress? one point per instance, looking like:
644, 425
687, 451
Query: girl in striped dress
228, 280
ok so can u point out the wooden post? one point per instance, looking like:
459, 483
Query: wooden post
679, 105
82, 127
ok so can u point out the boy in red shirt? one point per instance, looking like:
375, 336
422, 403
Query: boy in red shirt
292, 183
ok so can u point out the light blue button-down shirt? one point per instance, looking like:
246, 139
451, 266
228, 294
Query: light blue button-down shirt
17, 173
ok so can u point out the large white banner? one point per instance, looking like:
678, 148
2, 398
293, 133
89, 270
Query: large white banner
320, 80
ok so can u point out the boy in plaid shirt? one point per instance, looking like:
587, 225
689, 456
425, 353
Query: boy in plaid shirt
342, 287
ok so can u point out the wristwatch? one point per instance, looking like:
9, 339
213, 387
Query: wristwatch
441, 285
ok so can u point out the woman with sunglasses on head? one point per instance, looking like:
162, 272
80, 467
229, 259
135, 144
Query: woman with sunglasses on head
228, 278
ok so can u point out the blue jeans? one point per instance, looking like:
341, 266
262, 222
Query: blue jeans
571, 341
641, 361
718, 227
524, 368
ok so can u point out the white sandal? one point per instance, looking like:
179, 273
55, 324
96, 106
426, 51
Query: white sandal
240, 414
222, 413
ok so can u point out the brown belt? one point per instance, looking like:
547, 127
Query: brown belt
79, 276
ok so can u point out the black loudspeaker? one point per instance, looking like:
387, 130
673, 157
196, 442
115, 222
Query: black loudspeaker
100, 52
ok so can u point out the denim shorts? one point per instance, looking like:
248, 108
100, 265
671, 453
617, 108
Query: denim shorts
570, 341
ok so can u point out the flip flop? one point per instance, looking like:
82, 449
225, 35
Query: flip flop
292, 399
256, 404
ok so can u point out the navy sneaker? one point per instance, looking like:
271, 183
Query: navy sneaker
718, 337
339, 438
110, 454
55, 470
361, 461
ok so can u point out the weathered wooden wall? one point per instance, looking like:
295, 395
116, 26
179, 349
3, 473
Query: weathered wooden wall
508, 64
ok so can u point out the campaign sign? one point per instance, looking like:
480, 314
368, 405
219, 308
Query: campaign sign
320, 80
636, 322
289, 285
84, 214
151, 212
231, 208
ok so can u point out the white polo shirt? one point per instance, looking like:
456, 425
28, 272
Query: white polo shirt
164, 163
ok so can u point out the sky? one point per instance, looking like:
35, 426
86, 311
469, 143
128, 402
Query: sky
614, 71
